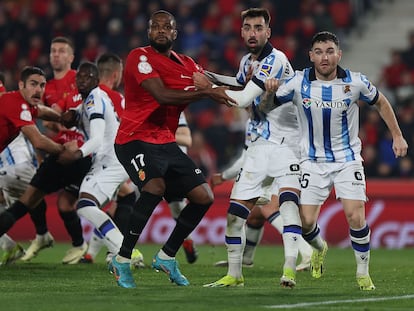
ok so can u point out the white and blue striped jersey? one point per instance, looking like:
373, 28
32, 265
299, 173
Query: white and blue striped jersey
99, 105
328, 113
280, 123
19, 151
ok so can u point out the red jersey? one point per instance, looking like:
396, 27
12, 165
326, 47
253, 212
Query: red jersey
15, 113
144, 118
62, 90
117, 99
64, 93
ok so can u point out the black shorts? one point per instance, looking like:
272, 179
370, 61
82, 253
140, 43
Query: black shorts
144, 161
52, 176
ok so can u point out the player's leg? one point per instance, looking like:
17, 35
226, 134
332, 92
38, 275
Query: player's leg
120, 211
254, 233
285, 168
176, 206
271, 212
315, 189
351, 189
152, 187
22, 198
185, 179
246, 190
51, 177
12, 251
67, 210
360, 240
98, 188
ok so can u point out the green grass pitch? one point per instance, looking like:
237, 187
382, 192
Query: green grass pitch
45, 284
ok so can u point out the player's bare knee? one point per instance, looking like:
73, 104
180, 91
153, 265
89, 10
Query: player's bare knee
201, 194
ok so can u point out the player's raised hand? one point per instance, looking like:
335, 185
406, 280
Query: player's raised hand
271, 85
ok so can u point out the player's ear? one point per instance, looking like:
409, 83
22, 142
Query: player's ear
175, 33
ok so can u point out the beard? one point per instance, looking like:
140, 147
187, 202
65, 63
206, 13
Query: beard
255, 50
161, 47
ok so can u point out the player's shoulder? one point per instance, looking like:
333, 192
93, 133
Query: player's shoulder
11, 98
144, 50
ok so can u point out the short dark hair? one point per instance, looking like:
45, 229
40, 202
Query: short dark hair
256, 12
163, 12
107, 63
30, 70
92, 67
325, 36
66, 40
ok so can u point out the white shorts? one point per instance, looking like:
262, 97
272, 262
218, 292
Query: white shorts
103, 181
14, 179
318, 179
266, 160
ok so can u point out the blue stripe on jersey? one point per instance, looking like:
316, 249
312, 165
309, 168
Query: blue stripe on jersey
306, 86
279, 73
349, 153
285, 99
9, 156
326, 120
32, 152
348, 78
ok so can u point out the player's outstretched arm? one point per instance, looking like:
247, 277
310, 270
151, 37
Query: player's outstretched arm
167, 96
399, 144
40, 141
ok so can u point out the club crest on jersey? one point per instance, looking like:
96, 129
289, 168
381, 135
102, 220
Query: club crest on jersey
143, 65
25, 114
306, 102
347, 89
141, 175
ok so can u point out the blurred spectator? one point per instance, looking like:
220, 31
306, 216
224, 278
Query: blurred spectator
391, 73
408, 54
405, 168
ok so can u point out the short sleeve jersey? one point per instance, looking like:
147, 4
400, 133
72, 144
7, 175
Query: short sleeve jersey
328, 113
144, 118
15, 113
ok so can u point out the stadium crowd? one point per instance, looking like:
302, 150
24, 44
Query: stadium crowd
209, 32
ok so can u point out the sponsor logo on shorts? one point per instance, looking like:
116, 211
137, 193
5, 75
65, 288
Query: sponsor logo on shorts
141, 175
197, 171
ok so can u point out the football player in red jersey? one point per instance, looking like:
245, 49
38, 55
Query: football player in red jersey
61, 94
19, 108
158, 86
